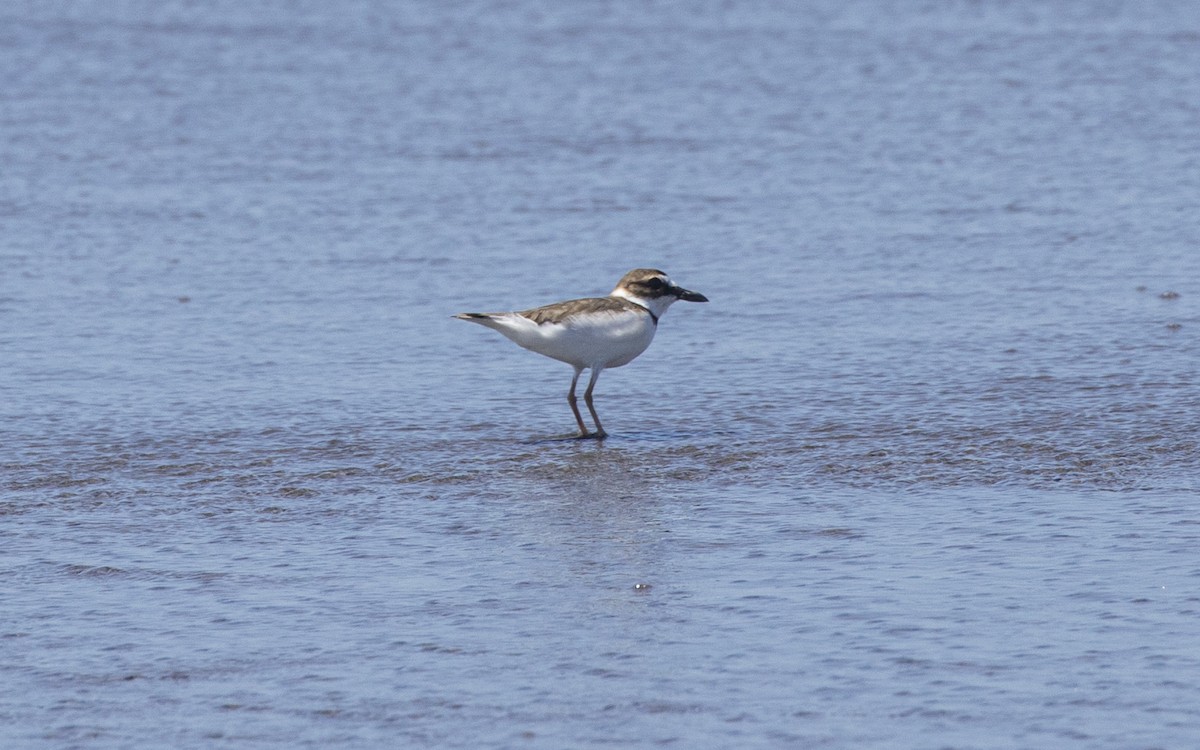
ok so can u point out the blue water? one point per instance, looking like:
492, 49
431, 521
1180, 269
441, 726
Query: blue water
923, 473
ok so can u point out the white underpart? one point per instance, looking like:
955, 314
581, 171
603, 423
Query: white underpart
596, 340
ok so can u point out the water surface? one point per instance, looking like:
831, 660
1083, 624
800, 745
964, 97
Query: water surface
923, 472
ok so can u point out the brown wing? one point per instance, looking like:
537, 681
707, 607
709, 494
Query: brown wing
560, 311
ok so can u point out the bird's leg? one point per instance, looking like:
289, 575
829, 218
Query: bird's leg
575, 409
587, 399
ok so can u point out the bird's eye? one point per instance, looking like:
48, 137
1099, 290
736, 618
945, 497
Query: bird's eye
655, 283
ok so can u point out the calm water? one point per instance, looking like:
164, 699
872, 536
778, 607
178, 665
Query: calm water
924, 473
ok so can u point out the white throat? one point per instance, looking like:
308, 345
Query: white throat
656, 305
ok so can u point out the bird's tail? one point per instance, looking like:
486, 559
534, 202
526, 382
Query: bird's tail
483, 319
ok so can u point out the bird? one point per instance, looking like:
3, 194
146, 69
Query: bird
593, 333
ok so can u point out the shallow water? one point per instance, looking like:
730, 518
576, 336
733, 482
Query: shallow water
923, 473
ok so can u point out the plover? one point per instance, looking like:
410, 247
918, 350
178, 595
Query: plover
593, 333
